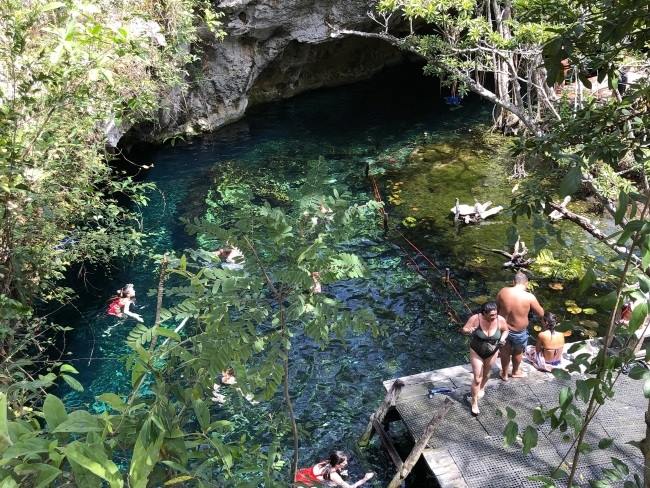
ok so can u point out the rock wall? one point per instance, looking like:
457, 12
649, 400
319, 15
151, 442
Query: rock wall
274, 49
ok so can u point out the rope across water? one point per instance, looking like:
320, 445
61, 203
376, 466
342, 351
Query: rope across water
451, 311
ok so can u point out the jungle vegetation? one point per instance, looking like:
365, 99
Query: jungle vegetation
62, 206
539, 63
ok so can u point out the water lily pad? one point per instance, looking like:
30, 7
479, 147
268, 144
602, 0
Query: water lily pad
589, 311
574, 309
409, 222
569, 303
590, 324
556, 286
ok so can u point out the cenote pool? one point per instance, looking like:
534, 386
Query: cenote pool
424, 156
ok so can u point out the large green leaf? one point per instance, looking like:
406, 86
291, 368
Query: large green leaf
639, 314
8, 482
510, 433
5, 440
94, 459
27, 446
571, 181
605, 443
44, 473
83, 477
146, 454
529, 439
561, 374
202, 414
621, 208
72, 382
565, 396
54, 411
113, 400
586, 281
638, 372
80, 421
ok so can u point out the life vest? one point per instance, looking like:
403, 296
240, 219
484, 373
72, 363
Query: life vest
115, 307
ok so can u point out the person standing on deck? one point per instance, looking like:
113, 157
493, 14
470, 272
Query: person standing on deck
489, 332
515, 303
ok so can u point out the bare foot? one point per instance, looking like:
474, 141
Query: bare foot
475, 410
503, 376
518, 374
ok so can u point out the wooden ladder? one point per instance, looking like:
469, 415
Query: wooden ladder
376, 422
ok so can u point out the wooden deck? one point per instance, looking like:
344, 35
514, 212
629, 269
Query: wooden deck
468, 452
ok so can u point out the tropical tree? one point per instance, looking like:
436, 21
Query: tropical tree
492, 48
241, 318
601, 148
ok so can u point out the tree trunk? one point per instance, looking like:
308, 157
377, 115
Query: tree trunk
287, 395
645, 449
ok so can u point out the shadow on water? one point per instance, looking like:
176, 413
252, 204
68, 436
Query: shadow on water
398, 119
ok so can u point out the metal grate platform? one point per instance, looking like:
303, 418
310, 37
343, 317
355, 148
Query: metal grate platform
469, 451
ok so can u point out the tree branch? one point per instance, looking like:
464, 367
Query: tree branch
586, 224
473, 85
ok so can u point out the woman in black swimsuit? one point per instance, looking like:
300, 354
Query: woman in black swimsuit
489, 331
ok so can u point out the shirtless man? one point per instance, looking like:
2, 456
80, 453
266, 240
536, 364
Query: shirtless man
515, 303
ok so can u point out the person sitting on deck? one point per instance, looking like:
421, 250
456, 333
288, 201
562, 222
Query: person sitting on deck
489, 331
231, 257
547, 352
329, 472
515, 303
119, 305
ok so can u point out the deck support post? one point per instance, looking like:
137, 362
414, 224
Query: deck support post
377, 418
420, 445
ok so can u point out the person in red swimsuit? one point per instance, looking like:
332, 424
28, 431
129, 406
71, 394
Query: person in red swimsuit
119, 305
328, 473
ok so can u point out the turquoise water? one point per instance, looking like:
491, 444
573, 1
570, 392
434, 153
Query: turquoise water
381, 122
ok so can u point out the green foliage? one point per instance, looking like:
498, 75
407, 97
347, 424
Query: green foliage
72, 70
601, 148
465, 41
547, 265
241, 318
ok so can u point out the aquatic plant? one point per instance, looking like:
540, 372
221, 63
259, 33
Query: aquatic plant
548, 266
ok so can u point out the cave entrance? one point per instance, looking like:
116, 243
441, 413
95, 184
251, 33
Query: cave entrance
302, 67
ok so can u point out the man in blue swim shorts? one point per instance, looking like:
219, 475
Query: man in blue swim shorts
515, 303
